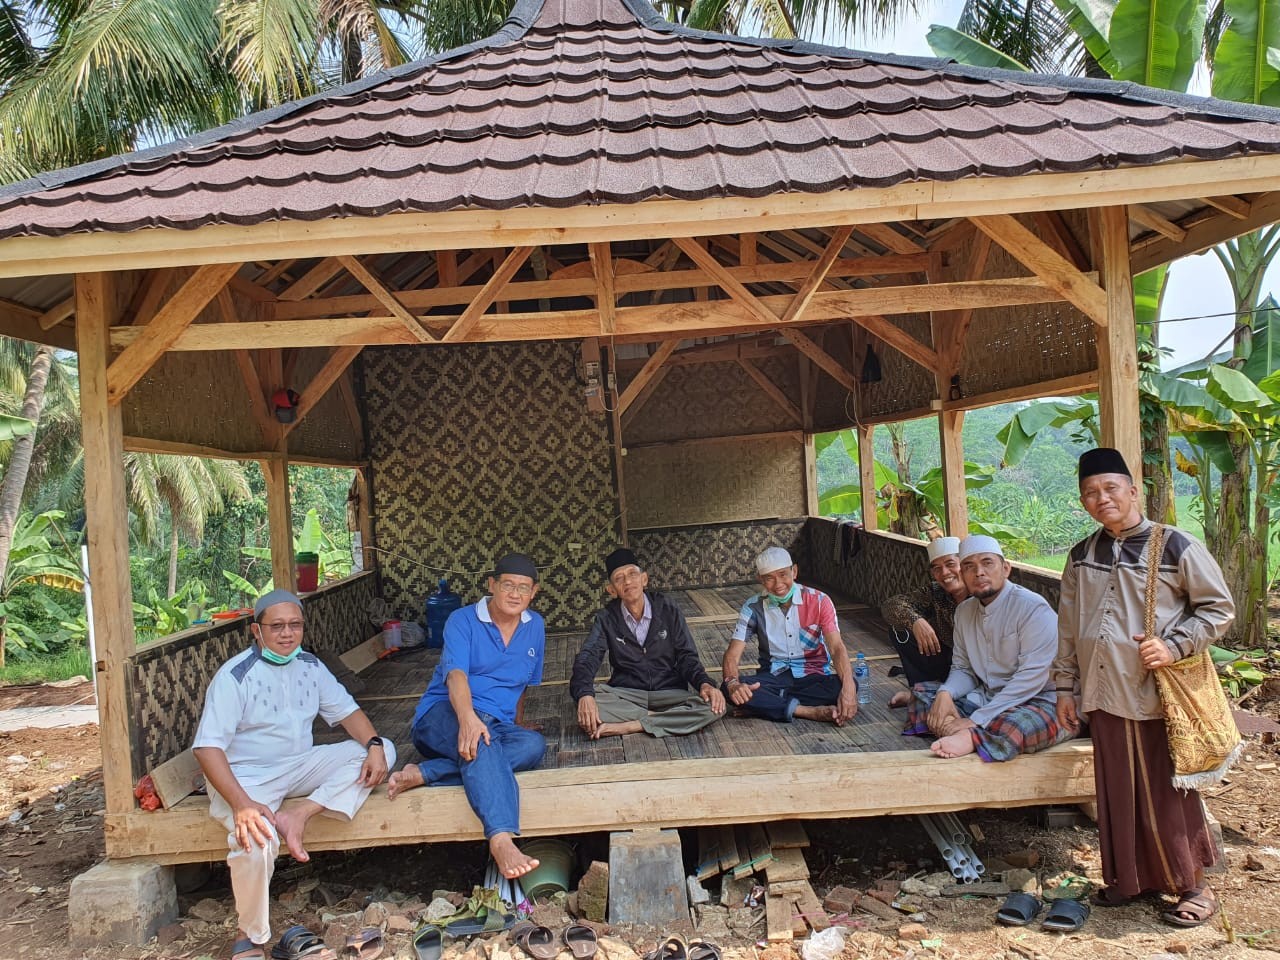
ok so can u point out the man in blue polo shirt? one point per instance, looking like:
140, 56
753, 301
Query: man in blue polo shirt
467, 724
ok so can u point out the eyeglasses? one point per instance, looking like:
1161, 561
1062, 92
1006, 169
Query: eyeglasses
284, 626
514, 589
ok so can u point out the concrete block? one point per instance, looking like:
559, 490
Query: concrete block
646, 878
121, 902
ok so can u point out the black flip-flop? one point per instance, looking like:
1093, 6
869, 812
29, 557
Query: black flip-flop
1066, 916
1019, 909
491, 922
428, 943
247, 946
299, 943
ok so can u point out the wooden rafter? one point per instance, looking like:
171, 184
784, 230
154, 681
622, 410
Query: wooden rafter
312, 280
57, 313
748, 254
250, 290
371, 282
1154, 221
1041, 259
829, 364
347, 391
894, 336
606, 297
1231, 206
646, 374
634, 324
1059, 236
889, 238
663, 278
1154, 249
163, 331
956, 323
772, 391
325, 378
146, 299
817, 275
274, 272
727, 281
488, 295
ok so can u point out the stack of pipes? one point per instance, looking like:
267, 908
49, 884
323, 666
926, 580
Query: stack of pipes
509, 891
952, 840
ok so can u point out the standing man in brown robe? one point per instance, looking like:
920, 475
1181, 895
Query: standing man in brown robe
1153, 837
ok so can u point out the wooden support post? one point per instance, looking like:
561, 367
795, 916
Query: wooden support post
950, 423
368, 551
867, 475
619, 451
280, 521
1117, 343
810, 476
107, 526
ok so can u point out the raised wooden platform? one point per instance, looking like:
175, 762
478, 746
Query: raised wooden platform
736, 771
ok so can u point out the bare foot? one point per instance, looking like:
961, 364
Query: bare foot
617, 729
289, 824
402, 780
510, 860
821, 714
955, 745
900, 699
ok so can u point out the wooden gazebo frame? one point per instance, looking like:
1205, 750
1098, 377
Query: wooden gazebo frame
846, 260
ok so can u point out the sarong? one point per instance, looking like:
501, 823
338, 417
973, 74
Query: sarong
1152, 836
1026, 728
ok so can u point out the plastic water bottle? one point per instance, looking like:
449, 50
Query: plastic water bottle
862, 674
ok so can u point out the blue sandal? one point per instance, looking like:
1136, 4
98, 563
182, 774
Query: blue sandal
1066, 916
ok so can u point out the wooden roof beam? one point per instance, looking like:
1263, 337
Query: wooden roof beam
646, 374
375, 286
889, 238
57, 313
772, 391
488, 294
899, 339
606, 296
1041, 259
162, 332
829, 364
1231, 206
817, 275
268, 426
312, 280
1156, 250
1056, 232
1154, 221
146, 300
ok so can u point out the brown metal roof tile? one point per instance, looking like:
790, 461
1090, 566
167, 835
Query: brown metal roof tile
599, 101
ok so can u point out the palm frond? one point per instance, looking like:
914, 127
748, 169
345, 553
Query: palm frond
273, 46
452, 23
17, 52
1033, 32
817, 18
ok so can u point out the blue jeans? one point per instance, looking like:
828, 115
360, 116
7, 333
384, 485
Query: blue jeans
490, 779
781, 693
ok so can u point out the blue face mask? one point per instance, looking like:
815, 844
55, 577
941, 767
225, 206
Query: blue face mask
790, 595
272, 657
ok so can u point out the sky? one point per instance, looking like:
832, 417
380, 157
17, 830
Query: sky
1198, 287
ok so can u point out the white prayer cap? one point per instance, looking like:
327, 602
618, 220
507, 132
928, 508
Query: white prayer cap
979, 543
774, 558
943, 547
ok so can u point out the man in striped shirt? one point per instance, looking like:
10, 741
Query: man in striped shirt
804, 667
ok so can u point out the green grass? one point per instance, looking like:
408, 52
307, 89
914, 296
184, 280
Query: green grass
61, 666
1051, 561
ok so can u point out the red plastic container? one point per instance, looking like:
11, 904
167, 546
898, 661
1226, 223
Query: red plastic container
308, 577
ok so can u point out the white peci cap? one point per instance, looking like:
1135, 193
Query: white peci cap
771, 559
943, 547
979, 543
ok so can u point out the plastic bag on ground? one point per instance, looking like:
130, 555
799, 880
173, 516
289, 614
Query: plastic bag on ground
824, 944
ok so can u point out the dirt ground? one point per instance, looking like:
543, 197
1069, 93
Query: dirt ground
50, 830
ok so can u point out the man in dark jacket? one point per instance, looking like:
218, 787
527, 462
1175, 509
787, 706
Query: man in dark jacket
654, 662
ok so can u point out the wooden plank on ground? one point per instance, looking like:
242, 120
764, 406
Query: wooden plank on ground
787, 864
752, 839
777, 912
728, 843
364, 655
811, 909
177, 778
786, 833
708, 853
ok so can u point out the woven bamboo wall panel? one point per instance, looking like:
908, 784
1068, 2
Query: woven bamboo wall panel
682, 558
168, 677
480, 450
712, 400
832, 403
904, 384
714, 482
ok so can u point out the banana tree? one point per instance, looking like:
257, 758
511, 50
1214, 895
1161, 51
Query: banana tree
40, 555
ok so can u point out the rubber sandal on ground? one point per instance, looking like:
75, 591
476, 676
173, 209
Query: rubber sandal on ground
1019, 909
1107, 897
672, 948
1201, 905
535, 940
704, 950
365, 945
491, 922
299, 943
1066, 916
428, 943
581, 940
246, 949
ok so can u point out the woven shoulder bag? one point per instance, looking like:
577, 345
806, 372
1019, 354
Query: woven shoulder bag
1203, 738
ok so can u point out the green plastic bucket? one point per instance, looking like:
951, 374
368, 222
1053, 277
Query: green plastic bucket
555, 863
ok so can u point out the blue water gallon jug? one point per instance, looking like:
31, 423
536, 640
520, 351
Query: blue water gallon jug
439, 605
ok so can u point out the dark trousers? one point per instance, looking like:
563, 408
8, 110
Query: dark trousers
781, 693
919, 667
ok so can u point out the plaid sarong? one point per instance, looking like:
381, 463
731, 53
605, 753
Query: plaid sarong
1027, 728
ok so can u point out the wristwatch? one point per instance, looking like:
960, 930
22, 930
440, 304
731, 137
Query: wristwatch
373, 742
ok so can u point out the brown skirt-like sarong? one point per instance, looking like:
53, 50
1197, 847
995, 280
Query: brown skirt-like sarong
1152, 836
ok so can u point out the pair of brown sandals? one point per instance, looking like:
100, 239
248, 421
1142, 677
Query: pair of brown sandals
674, 948
542, 943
